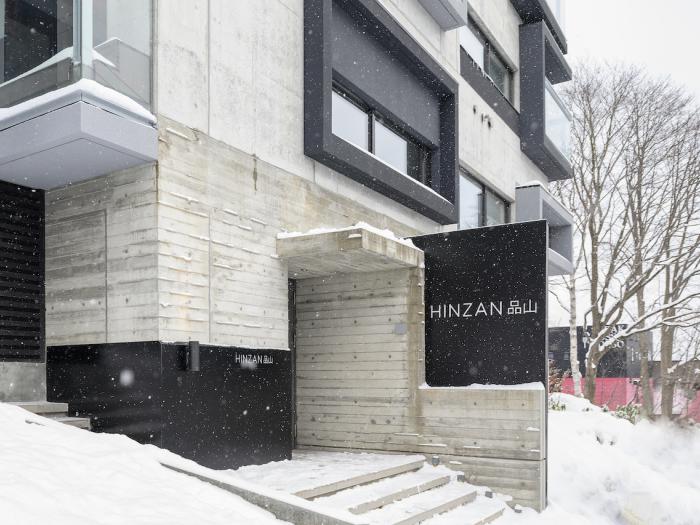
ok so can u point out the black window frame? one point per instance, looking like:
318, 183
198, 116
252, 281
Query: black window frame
482, 203
422, 174
489, 52
437, 201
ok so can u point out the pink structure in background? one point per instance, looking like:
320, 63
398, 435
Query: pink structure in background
619, 391
610, 391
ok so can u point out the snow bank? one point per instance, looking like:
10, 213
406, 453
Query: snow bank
604, 470
53, 473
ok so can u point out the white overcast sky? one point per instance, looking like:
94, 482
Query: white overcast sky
662, 35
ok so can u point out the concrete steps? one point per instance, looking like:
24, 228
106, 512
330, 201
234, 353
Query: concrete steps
411, 494
365, 498
55, 411
423, 506
362, 479
367, 489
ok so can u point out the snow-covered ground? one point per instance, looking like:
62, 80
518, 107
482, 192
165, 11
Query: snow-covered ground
53, 473
602, 470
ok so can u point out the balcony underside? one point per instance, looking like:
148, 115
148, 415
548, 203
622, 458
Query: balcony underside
73, 134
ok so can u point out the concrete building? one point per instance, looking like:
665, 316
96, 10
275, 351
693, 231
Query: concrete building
156, 155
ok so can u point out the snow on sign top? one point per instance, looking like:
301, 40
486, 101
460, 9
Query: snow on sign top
360, 225
523, 386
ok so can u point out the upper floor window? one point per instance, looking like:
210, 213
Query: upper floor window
357, 123
479, 205
484, 54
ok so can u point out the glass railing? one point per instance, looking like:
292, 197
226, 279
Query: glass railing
557, 121
48, 44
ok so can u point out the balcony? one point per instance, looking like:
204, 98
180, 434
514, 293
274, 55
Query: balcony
75, 90
557, 121
545, 122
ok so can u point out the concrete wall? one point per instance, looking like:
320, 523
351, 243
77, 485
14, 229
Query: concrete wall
234, 71
101, 256
219, 212
360, 375
22, 381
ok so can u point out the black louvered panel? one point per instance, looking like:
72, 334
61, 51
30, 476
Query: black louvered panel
21, 273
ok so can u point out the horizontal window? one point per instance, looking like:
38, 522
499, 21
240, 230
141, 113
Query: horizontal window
366, 129
482, 51
390, 147
349, 122
480, 206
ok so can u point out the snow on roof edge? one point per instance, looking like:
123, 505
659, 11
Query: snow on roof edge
360, 225
84, 89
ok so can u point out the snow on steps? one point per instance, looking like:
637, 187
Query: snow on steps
378, 489
55, 411
331, 488
425, 505
369, 497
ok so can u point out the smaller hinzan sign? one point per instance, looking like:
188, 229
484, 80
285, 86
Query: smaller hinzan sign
486, 305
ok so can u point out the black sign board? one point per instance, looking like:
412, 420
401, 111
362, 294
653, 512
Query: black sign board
486, 305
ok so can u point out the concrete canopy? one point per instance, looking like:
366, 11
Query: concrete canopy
348, 250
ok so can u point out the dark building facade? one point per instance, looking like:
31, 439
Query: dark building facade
623, 360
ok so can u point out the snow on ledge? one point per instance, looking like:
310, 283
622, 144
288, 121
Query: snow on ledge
84, 89
388, 234
523, 386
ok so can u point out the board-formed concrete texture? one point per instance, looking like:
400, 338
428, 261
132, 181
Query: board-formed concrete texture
187, 249
361, 385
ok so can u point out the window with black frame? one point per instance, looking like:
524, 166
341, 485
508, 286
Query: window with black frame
479, 205
484, 54
365, 128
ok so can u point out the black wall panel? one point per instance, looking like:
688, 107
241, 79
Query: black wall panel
235, 410
21, 273
364, 61
486, 305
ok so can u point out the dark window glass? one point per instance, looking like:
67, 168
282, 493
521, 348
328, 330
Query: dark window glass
500, 74
419, 163
479, 206
34, 32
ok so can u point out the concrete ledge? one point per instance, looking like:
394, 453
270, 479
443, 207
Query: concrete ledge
76, 133
356, 249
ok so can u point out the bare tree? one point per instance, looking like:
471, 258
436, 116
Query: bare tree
627, 141
650, 192
681, 278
